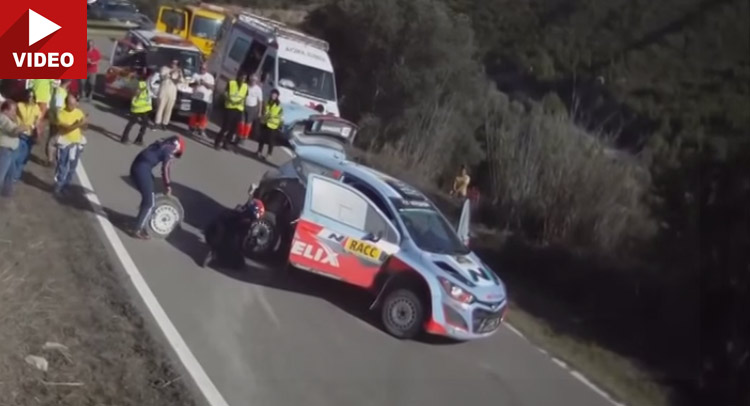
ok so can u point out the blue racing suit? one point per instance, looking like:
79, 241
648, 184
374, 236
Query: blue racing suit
140, 173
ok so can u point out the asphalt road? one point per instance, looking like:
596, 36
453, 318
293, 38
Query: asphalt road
306, 340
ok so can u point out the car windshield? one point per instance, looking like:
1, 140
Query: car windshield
306, 80
207, 28
431, 232
121, 7
189, 60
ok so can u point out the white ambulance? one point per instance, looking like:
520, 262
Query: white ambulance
295, 63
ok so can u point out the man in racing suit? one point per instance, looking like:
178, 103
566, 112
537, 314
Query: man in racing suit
162, 151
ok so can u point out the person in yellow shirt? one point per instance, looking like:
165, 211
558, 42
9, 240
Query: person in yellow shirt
30, 116
461, 183
70, 123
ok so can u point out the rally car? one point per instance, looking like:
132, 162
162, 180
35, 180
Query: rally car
151, 50
350, 222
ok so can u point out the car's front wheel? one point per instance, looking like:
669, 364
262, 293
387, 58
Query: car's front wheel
403, 313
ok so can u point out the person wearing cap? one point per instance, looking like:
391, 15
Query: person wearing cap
273, 116
253, 108
161, 152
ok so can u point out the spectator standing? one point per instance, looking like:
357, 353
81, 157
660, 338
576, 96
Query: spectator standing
203, 94
253, 108
170, 77
461, 183
273, 115
10, 130
30, 117
57, 103
42, 89
70, 123
86, 86
140, 108
234, 106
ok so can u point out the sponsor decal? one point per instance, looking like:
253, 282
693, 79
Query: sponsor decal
363, 249
43, 39
320, 254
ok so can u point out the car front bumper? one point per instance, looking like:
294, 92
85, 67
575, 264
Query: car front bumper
466, 322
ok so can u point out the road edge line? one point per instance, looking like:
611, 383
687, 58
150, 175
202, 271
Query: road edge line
175, 340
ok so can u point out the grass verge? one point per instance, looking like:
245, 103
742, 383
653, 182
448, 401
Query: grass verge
61, 300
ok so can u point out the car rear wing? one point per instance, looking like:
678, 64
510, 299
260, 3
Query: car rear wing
323, 130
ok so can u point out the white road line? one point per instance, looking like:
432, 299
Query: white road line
594, 388
514, 330
201, 379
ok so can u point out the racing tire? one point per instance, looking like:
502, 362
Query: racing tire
402, 314
271, 247
167, 216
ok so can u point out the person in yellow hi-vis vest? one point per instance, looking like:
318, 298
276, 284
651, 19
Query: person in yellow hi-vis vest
140, 108
42, 89
273, 116
234, 106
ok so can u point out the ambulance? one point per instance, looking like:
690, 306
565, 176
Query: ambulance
295, 63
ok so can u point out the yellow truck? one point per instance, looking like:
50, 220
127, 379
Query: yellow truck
199, 24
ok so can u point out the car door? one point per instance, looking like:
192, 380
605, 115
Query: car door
463, 224
341, 233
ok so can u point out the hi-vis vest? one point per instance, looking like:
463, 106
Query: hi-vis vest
42, 89
141, 102
273, 116
236, 96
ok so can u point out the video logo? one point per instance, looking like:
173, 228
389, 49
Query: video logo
43, 39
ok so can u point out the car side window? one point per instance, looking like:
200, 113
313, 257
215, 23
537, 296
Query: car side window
370, 194
343, 205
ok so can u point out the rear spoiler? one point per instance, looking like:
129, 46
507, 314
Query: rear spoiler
323, 130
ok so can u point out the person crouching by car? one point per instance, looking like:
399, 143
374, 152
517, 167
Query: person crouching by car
234, 106
70, 142
160, 152
30, 116
203, 94
272, 118
140, 109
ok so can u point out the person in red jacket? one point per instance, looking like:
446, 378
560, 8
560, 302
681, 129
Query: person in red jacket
86, 86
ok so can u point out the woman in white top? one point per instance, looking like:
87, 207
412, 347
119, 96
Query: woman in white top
253, 108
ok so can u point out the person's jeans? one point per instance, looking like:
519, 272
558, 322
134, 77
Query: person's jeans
6, 171
141, 176
22, 154
67, 162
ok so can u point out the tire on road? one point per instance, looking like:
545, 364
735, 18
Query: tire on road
167, 215
403, 313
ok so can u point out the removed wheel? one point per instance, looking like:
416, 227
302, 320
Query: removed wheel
167, 215
402, 314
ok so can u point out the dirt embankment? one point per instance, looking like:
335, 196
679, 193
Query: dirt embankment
61, 301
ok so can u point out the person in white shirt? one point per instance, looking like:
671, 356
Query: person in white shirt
203, 94
253, 108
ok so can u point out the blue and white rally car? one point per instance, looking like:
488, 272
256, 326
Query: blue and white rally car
346, 221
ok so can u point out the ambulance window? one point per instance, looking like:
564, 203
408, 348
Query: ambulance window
269, 67
239, 49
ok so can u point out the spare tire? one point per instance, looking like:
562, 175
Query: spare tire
166, 216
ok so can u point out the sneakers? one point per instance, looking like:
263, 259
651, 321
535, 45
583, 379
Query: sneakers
140, 234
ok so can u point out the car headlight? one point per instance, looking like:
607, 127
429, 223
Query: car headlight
456, 292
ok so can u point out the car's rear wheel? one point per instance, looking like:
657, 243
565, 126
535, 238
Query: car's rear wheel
262, 237
403, 313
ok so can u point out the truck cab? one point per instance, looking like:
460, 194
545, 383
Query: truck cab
198, 24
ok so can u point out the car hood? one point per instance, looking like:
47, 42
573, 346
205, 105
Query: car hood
469, 272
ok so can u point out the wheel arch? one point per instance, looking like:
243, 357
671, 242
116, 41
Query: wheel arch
394, 274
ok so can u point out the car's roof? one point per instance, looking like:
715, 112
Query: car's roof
164, 40
384, 184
